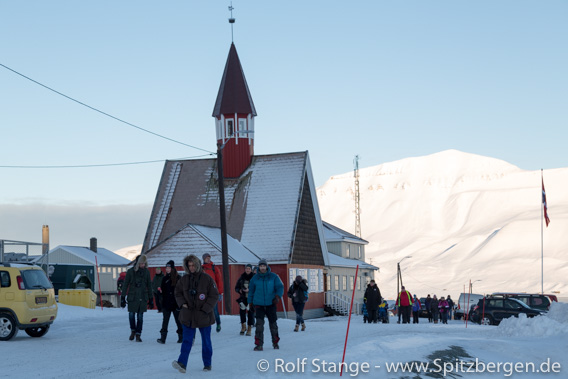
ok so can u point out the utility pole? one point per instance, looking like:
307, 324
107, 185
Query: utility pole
224, 250
357, 197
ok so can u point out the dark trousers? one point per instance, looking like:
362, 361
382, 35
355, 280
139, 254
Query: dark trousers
444, 316
158, 301
299, 309
136, 325
406, 310
187, 343
166, 313
270, 312
415, 317
373, 314
244, 313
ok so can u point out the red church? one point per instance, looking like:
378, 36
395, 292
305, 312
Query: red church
270, 202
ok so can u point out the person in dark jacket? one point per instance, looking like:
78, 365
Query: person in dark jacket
156, 283
427, 303
373, 299
434, 309
451, 304
265, 291
416, 306
196, 294
404, 303
169, 304
137, 288
242, 288
297, 292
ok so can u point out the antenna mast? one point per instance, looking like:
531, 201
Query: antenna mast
357, 197
231, 20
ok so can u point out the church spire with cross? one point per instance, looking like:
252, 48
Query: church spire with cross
234, 114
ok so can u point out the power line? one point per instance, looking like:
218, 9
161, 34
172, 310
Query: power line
104, 164
101, 112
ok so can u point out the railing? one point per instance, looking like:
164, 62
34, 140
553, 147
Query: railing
341, 303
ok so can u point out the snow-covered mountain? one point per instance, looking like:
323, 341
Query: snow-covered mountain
129, 252
459, 216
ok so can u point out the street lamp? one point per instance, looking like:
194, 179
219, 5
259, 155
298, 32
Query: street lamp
471, 285
399, 279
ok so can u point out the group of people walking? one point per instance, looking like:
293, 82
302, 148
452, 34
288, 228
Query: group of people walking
192, 299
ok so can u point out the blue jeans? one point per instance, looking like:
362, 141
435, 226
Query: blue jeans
206, 347
299, 309
136, 326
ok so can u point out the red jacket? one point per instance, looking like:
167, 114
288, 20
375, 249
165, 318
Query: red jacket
404, 299
216, 274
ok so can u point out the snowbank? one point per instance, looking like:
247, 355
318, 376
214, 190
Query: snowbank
550, 324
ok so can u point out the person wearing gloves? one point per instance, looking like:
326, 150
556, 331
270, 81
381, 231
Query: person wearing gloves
297, 292
216, 273
169, 304
265, 291
137, 289
242, 288
196, 295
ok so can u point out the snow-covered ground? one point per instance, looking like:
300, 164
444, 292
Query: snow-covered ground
84, 343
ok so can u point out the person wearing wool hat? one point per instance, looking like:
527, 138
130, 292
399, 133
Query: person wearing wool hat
216, 273
265, 291
297, 292
169, 305
137, 288
242, 288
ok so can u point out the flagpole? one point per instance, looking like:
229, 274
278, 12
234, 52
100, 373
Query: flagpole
541, 237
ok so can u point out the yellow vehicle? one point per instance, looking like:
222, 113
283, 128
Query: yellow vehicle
27, 301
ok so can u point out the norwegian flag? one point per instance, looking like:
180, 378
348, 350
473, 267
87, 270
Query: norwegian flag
546, 219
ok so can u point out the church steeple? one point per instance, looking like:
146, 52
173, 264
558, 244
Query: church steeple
234, 114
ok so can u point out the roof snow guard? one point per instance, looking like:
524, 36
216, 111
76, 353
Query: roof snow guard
234, 95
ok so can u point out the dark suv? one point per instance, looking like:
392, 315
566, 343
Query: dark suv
492, 309
535, 301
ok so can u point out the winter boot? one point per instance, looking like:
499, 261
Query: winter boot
132, 334
161, 341
249, 330
178, 366
296, 328
258, 348
207, 368
275, 345
138, 339
180, 338
243, 329
303, 327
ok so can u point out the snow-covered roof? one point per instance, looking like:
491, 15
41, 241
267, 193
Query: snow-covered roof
337, 261
198, 240
334, 234
262, 205
103, 256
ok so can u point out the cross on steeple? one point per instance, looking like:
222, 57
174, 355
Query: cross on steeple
231, 20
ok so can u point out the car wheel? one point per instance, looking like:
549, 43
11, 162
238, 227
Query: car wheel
8, 327
487, 320
38, 331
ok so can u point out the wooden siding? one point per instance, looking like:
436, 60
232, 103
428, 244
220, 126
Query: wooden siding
307, 248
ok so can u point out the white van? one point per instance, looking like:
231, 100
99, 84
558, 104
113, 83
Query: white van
462, 303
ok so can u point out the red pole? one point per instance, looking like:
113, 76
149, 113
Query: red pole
349, 321
99, 280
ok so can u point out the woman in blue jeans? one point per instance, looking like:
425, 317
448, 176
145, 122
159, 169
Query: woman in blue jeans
297, 292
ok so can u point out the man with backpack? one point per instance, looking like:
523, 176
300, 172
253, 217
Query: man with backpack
298, 292
214, 272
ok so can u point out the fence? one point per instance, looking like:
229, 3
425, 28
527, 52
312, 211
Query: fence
341, 303
19, 251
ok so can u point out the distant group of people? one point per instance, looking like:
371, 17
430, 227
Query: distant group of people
192, 299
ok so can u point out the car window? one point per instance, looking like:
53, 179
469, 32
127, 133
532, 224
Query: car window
36, 279
495, 303
4, 279
510, 304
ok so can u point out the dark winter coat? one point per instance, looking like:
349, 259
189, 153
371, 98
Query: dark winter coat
157, 282
372, 297
168, 293
450, 302
427, 302
137, 287
296, 291
196, 295
434, 306
263, 288
242, 285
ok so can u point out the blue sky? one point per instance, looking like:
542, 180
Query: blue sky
383, 79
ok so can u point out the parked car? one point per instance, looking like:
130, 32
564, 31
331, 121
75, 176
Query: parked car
535, 301
27, 301
463, 303
493, 309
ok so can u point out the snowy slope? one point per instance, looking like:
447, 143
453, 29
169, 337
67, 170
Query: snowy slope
129, 252
460, 216
85, 343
